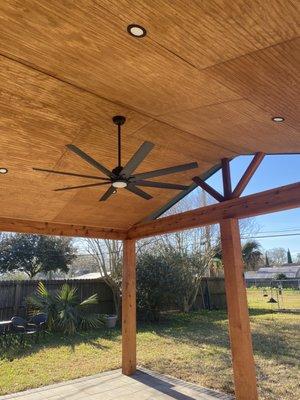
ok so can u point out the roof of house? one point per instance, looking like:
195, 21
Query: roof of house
91, 275
290, 271
202, 85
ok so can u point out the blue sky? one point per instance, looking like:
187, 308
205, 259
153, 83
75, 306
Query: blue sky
274, 171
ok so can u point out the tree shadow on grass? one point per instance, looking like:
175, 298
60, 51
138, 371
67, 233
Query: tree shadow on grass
55, 340
196, 328
271, 338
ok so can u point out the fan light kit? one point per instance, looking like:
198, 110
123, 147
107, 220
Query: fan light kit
119, 184
3, 171
136, 30
123, 177
277, 119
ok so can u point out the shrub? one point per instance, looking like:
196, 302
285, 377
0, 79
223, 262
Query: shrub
64, 311
159, 284
281, 276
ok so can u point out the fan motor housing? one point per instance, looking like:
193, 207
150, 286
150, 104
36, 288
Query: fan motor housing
119, 119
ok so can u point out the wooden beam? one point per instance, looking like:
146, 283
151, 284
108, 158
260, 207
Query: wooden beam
282, 198
52, 228
238, 316
205, 186
129, 308
240, 187
226, 177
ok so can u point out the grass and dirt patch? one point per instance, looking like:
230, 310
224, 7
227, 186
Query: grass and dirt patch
194, 347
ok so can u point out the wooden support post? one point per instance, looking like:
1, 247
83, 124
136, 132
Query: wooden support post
239, 326
129, 308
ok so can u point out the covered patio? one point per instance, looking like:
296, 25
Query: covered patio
198, 84
112, 385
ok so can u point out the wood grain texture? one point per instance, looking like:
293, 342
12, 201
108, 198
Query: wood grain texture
250, 171
202, 86
50, 228
85, 44
129, 308
270, 79
238, 315
40, 115
243, 126
226, 177
210, 32
210, 190
279, 199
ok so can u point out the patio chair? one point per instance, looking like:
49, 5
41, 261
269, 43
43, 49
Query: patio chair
3, 335
38, 322
22, 328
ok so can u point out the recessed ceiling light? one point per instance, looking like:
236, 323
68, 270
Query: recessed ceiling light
136, 30
278, 119
3, 171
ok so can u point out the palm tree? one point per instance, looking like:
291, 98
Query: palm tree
64, 310
251, 253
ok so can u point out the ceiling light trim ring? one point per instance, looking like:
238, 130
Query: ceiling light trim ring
137, 31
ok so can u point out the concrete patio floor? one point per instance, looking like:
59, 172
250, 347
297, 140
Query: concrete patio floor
143, 385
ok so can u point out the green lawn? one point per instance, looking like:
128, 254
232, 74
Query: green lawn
194, 347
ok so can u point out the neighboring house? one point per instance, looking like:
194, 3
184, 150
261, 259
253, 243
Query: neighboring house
91, 275
289, 270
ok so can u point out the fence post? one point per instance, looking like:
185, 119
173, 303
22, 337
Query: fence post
17, 297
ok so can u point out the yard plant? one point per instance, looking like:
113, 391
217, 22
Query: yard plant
65, 312
193, 346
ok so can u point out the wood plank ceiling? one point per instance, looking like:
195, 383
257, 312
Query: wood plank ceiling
202, 85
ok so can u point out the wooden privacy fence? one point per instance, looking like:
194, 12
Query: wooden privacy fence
13, 295
212, 295
293, 283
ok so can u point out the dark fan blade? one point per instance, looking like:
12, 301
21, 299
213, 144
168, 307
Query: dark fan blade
166, 171
90, 160
82, 186
138, 192
108, 193
137, 158
52, 171
161, 185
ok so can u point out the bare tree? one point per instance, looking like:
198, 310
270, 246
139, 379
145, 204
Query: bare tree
277, 256
108, 257
193, 248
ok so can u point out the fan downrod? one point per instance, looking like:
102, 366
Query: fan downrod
119, 120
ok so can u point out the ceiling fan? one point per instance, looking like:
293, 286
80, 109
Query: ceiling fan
124, 177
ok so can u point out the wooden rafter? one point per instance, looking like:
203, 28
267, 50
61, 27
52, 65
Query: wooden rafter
273, 200
52, 228
205, 186
240, 187
226, 178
